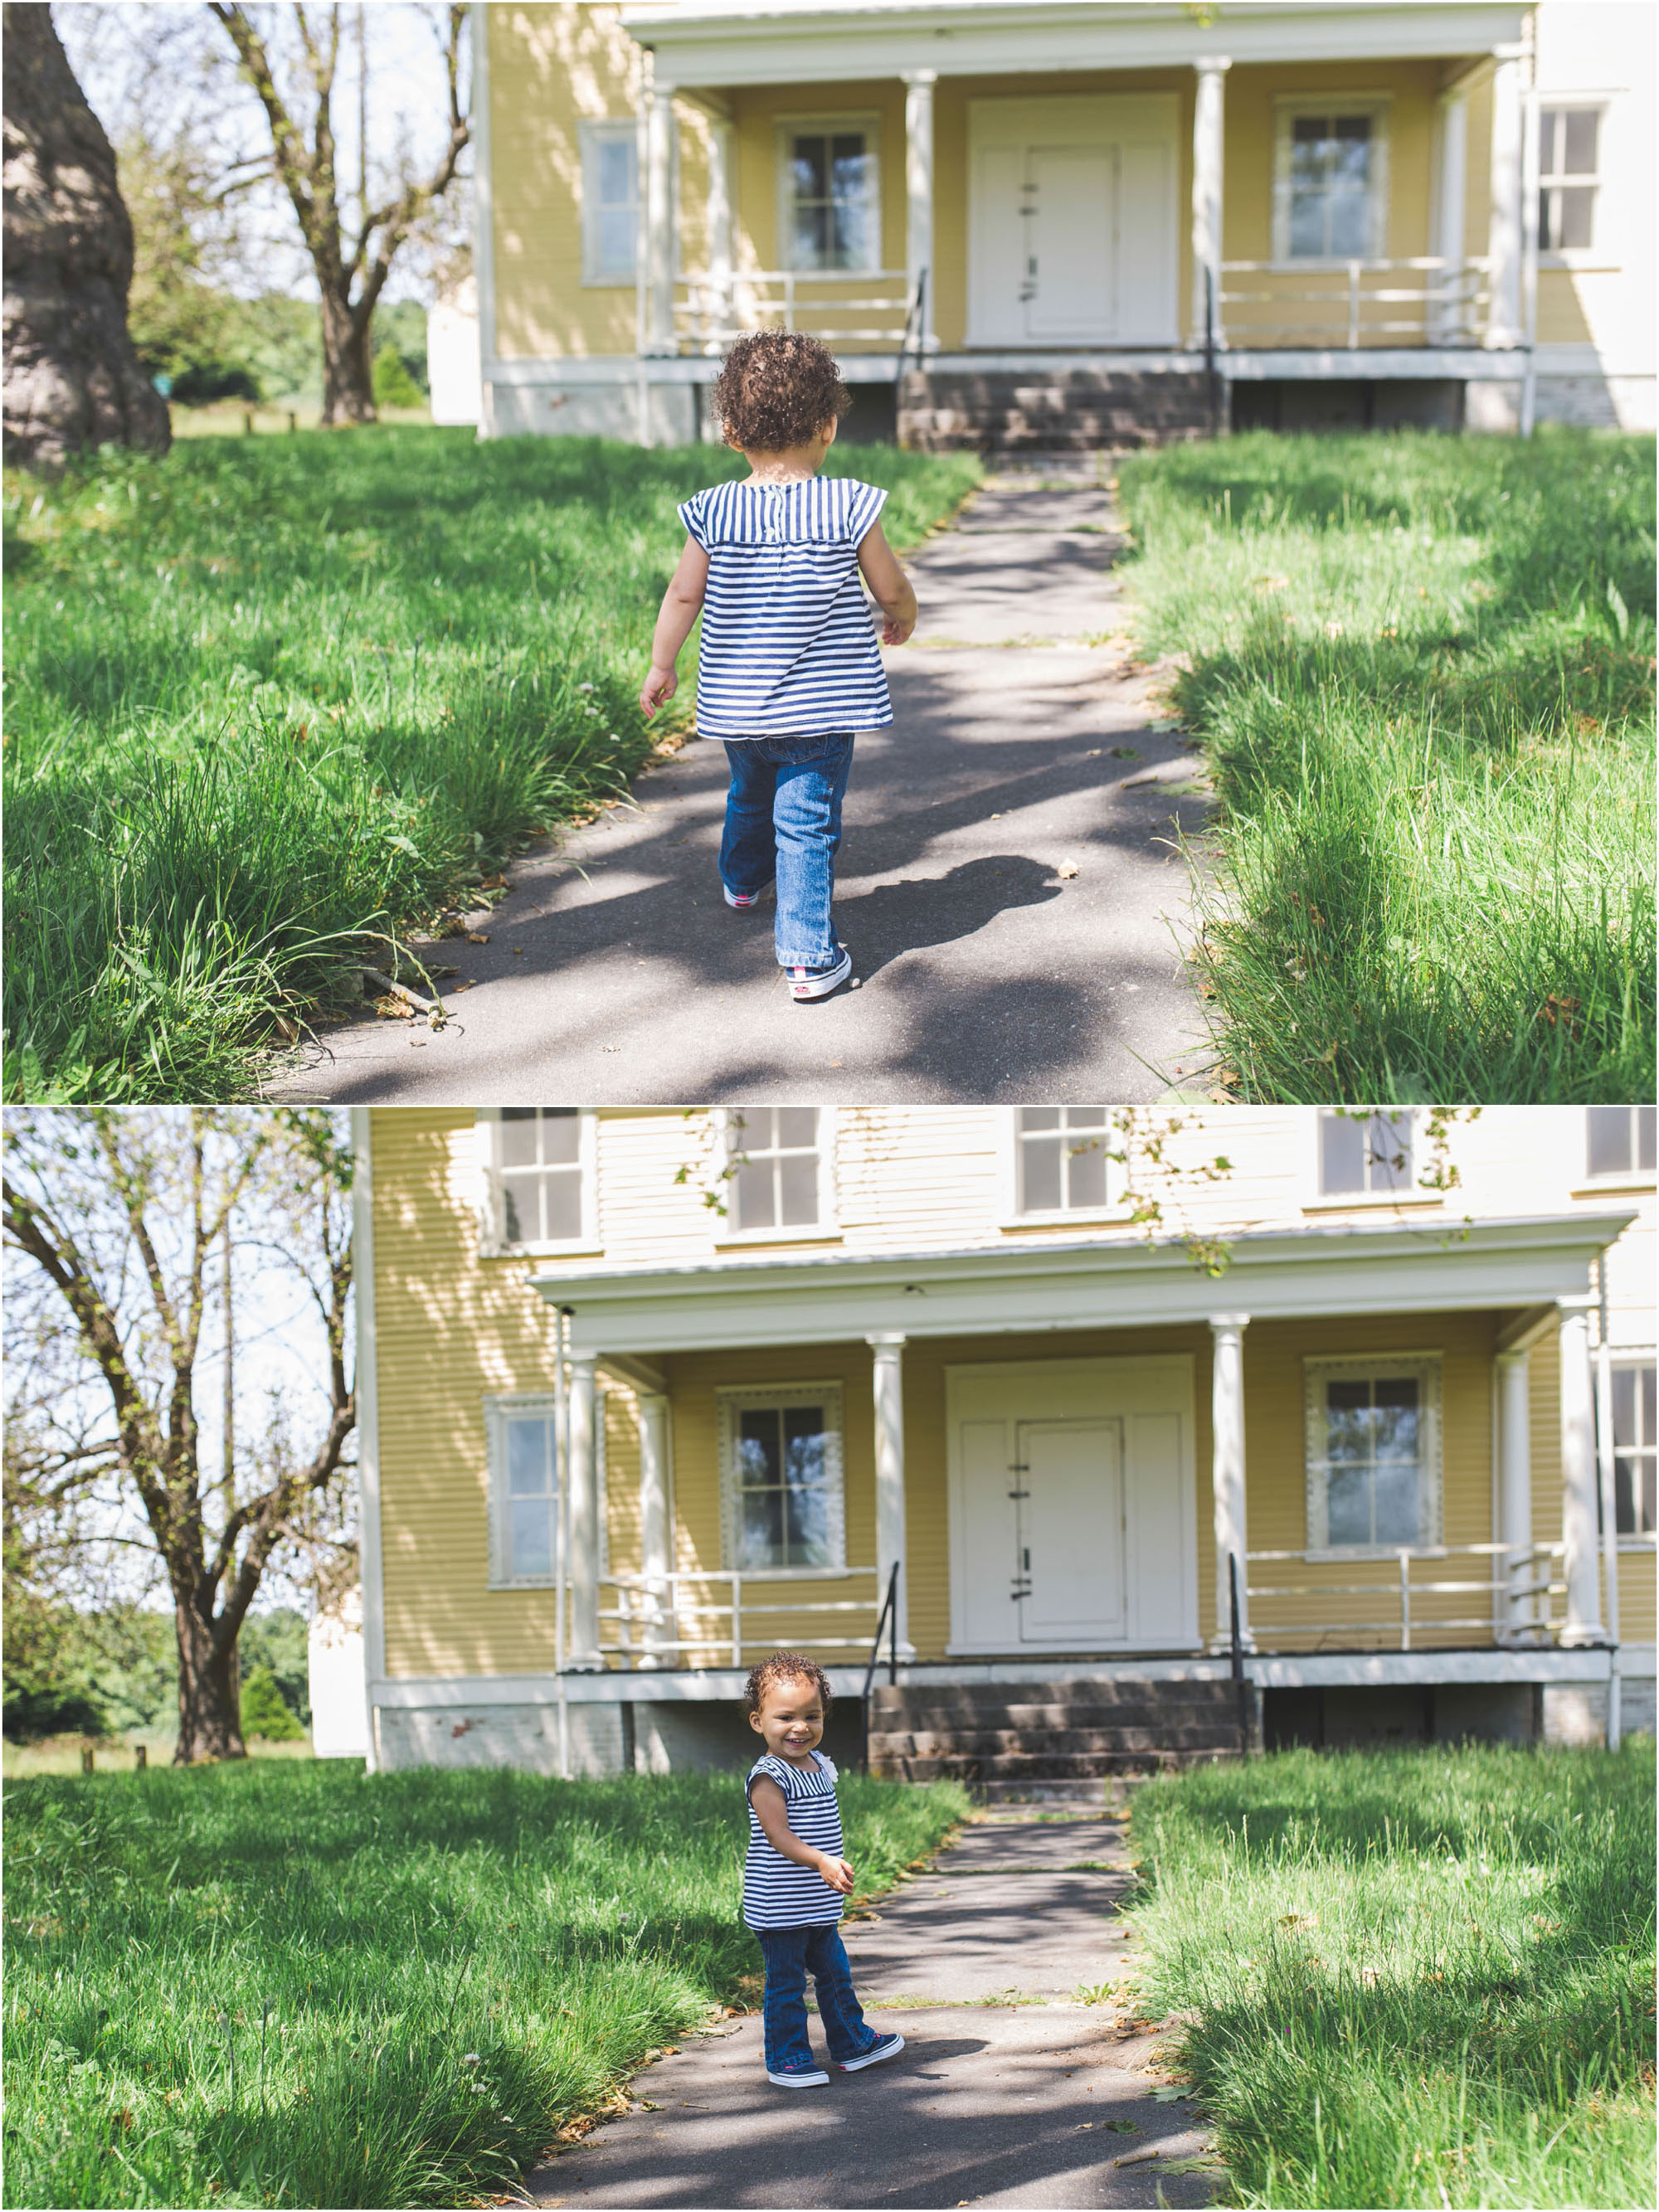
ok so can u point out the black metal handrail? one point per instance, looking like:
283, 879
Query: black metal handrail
1240, 1685
888, 1620
911, 321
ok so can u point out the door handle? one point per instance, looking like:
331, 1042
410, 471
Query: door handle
1019, 1493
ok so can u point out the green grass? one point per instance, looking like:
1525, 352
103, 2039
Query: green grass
1420, 1978
1422, 669
269, 697
290, 1983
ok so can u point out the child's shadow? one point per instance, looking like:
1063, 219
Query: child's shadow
894, 918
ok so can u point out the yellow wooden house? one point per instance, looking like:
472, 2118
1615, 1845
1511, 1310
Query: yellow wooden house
646, 1393
1055, 222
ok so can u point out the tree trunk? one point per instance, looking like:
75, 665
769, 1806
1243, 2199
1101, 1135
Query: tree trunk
209, 1692
348, 372
71, 377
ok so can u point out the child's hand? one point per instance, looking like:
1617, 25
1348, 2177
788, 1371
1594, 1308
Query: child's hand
836, 1873
658, 688
895, 632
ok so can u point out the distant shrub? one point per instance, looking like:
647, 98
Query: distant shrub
32, 1715
394, 385
265, 1711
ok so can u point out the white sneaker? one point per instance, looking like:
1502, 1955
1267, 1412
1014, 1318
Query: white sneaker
803, 2077
818, 982
884, 2046
744, 900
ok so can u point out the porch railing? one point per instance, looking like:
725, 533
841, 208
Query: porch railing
1516, 1581
1349, 305
658, 1618
710, 311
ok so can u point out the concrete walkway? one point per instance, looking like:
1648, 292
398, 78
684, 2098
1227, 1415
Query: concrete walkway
1009, 2090
1006, 884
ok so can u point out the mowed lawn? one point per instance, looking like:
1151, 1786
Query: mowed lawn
1420, 1978
1422, 668
272, 701
290, 1983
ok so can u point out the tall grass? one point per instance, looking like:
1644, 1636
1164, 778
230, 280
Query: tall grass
266, 696
1419, 1978
1422, 668
290, 1983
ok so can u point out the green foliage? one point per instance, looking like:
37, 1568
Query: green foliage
1420, 1978
1422, 668
400, 328
282, 1984
264, 1711
278, 1641
394, 385
114, 1673
266, 696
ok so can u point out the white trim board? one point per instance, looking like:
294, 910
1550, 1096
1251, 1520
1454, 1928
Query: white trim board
365, 1385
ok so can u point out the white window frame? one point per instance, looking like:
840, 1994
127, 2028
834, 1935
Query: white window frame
867, 120
1630, 1178
1633, 1356
498, 1410
1288, 109
1318, 1199
590, 135
492, 1243
1595, 254
736, 1400
1014, 1212
828, 1224
1424, 1367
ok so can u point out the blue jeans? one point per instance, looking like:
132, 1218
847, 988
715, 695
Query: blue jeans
791, 1953
783, 818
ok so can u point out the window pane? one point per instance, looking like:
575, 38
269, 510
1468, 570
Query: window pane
615, 241
1646, 1118
520, 1208
762, 1536
1624, 1406
808, 1522
1040, 1117
1581, 132
562, 1134
1397, 1505
1350, 1506
1088, 1171
752, 1130
757, 1450
797, 1125
1041, 1193
1307, 225
1577, 204
526, 1458
1085, 1117
752, 1197
1350, 225
1348, 1421
797, 1178
809, 170
1396, 1419
1609, 1139
812, 237
1549, 139
852, 235
1648, 1381
1632, 1494
1342, 1153
562, 1204
531, 1533
517, 1136
803, 1443
616, 166
1389, 1144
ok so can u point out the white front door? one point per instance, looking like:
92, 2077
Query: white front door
1071, 229
1071, 1510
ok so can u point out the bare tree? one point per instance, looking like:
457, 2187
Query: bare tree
71, 377
351, 271
125, 1217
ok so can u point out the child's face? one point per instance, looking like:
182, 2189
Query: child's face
791, 1718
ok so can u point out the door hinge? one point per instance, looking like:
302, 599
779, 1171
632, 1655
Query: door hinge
1020, 1590
1019, 1493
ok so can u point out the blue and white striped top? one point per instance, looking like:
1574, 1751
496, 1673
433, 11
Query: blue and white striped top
776, 1892
788, 645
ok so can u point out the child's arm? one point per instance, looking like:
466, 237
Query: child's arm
682, 604
889, 586
772, 1811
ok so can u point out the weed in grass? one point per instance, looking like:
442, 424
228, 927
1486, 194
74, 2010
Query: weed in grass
1420, 1978
1422, 669
267, 699
291, 1983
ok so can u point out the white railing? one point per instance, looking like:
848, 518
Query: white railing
717, 308
652, 1610
1451, 302
1514, 1592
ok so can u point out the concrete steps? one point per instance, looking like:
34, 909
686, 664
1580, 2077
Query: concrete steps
1054, 410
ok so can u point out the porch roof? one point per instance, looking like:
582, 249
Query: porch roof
1022, 1286
736, 42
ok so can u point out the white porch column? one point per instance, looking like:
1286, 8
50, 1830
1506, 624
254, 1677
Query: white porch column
1451, 173
584, 1563
919, 196
1515, 1615
1504, 232
890, 1476
659, 241
719, 230
1208, 112
656, 1558
1579, 1535
1227, 1420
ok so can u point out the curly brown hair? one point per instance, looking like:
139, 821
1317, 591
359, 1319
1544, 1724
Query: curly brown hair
785, 1666
778, 389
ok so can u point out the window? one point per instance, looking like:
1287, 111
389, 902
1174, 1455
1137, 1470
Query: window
832, 212
1619, 1140
1062, 1163
776, 1170
1330, 193
611, 197
524, 1486
782, 1477
1373, 1453
539, 1173
1568, 146
1634, 1426
1368, 1154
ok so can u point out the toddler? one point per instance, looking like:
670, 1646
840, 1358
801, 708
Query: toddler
794, 1878
789, 668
